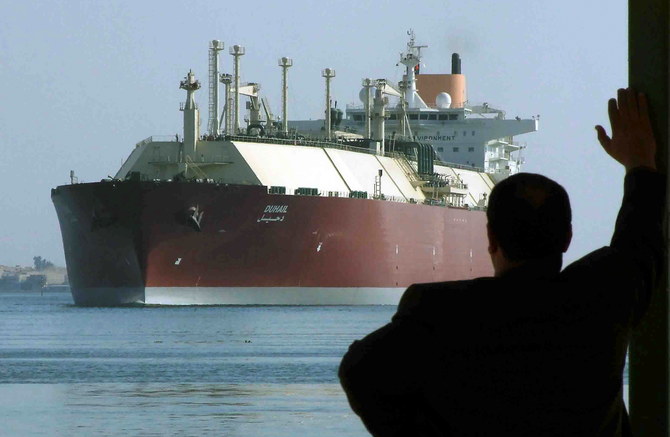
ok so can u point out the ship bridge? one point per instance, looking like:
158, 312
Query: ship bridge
433, 108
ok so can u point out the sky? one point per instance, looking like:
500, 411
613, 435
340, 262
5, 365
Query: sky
83, 81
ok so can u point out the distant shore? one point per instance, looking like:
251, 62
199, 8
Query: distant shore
23, 278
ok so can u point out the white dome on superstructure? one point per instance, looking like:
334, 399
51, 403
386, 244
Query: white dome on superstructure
361, 94
443, 100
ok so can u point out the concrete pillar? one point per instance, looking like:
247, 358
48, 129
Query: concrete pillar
648, 45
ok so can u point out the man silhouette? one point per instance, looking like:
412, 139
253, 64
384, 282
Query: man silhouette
532, 351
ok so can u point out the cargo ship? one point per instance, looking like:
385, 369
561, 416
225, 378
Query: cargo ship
347, 210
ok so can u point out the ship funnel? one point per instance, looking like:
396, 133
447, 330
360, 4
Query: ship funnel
455, 64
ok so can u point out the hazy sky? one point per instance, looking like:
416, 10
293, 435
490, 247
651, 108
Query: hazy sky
83, 81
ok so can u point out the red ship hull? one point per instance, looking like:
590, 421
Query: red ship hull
190, 243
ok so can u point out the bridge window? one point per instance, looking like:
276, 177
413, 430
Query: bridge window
432, 116
453, 116
413, 116
455, 149
442, 117
358, 117
424, 117
393, 117
471, 149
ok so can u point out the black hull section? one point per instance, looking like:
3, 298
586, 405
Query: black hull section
102, 242
107, 297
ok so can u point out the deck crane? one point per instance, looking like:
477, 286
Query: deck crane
253, 105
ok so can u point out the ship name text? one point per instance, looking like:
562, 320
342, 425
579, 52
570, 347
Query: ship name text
434, 137
276, 209
273, 209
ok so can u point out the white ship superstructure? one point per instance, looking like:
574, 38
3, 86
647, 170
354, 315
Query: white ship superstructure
432, 108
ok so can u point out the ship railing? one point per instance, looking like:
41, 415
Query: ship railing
459, 166
498, 155
291, 191
511, 146
398, 199
298, 142
516, 145
432, 105
444, 201
452, 201
437, 180
158, 139
485, 109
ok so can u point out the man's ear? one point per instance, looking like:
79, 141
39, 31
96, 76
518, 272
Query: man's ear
493, 241
568, 239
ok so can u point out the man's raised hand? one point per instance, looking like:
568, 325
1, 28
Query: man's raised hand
632, 142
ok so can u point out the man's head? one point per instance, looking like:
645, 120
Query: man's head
529, 218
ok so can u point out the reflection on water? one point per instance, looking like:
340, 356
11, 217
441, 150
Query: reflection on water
146, 409
183, 371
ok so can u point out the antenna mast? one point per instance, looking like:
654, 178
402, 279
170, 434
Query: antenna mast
411, 59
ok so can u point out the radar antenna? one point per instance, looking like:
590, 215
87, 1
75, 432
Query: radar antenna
411, 59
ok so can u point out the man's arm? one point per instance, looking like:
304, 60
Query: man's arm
638, 235
383, 377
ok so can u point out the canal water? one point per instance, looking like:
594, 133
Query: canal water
183, 371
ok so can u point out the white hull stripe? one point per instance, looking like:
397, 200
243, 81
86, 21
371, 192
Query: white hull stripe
272, 296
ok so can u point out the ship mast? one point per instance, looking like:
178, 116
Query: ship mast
226, 80
411, 59
236, 51
328, 73
213, 122
367, 85
284, 63
191, 119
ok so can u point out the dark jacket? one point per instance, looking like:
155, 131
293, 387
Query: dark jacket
534, 352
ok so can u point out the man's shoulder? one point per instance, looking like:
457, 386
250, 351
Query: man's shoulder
600, 265
448, 286
438, 294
